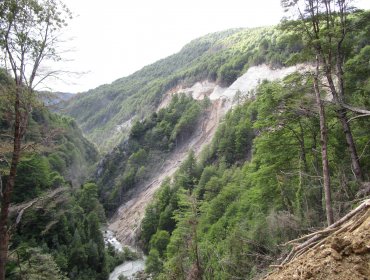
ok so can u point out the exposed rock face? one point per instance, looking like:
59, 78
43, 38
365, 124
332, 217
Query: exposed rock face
126, 222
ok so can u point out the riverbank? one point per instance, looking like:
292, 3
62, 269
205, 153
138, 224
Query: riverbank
128, 268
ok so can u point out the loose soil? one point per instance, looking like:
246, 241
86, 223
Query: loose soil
342, 256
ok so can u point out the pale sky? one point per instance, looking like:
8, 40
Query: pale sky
111, 39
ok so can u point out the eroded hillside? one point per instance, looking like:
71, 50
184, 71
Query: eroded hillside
126, 222
105, 112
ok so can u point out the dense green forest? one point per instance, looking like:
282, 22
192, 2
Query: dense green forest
59, 236
55, 151
220, 57
56, 219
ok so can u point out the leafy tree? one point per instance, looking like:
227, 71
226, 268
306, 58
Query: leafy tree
319, 23
183, 253
39, 265
326, 25
188, 172
28, 37
78, 257
32, 177
357, 72
88, 199
153, 263
149, 223
159, 241
56, 180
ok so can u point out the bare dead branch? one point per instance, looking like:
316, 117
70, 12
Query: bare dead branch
7, 136
359, 116
349, 222
20, 213
363, 151
364, 112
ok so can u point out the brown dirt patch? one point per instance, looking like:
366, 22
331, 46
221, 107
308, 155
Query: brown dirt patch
344, 256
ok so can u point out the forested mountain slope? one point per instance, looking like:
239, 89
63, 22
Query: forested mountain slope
53, 143
55, 216
105, 114
259, 183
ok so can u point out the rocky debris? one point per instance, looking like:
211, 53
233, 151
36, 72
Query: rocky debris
341, 252
126, 222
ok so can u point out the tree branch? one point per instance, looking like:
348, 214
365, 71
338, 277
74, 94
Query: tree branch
20, 213
355, 109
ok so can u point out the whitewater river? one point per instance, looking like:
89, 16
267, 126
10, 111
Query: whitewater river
128, 268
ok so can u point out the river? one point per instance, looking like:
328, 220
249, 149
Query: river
128, 268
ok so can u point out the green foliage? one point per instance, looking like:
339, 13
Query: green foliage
33, 177
56, 180
159, 241
57, 234
39, 266
153, 263
66, 231
357, 73
149, 142
187, 175
55, 152
233, 143
66, 156
88, 197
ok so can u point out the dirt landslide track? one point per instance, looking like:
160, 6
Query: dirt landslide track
343, 255
126, 222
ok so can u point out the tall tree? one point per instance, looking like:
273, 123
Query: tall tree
28, 36
326, 25
324, 147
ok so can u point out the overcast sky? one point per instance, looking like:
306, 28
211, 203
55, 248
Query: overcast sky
111, 39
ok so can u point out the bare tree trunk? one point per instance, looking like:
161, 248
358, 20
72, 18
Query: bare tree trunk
303, 147
342, 115
316, 164
324, 147
338, 98
7, 192
338, 90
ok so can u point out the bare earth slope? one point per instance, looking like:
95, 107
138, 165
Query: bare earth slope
343, 255
126, 222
